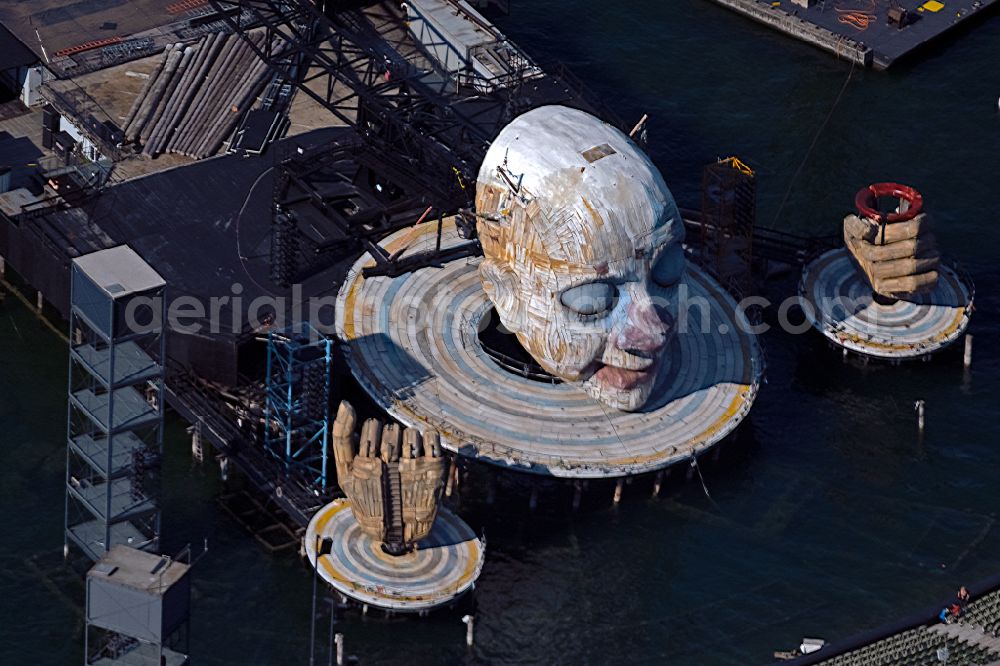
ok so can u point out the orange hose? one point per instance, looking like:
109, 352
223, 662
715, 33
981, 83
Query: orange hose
857, 17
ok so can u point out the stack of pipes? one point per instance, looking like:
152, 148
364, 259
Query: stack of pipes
196, 95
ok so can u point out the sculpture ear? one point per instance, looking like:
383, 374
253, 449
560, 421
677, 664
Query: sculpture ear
501, 285
491, 236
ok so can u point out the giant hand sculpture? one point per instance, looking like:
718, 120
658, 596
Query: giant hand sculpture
895, 251
392, 476
582, 244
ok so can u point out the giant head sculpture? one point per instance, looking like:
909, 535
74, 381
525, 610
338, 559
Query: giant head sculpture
582, 244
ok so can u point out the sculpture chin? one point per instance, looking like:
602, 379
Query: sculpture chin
627, 390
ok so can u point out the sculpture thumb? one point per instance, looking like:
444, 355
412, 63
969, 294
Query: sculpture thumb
343, 434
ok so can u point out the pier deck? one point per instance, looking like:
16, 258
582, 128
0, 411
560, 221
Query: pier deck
837, 300
440, 569
859, 30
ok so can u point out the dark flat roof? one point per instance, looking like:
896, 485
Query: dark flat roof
65, 23
13, 52
186, 223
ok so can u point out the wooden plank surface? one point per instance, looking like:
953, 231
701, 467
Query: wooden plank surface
838, 301
412, 344
441, 568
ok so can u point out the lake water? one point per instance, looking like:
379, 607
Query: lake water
827, 516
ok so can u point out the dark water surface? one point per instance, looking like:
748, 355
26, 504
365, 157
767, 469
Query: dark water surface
828, 516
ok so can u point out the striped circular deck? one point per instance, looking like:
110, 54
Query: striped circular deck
443, 567
837, 300
412, 343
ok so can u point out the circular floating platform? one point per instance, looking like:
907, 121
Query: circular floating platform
443, 567
842, 309
412, 343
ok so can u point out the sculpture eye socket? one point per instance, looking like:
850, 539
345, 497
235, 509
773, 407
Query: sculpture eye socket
591, 299
669, 267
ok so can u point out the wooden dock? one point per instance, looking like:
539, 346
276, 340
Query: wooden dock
838, 302
859, 30
442, 568
412, 343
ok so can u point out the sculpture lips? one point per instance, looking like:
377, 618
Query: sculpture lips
623, 379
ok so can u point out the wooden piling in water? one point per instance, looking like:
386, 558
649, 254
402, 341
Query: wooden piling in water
470, 622
658, 483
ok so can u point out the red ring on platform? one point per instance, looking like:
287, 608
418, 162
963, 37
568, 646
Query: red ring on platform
866, 201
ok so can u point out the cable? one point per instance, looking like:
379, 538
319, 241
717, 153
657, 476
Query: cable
239, 218
694, 463
612, 424
812, 145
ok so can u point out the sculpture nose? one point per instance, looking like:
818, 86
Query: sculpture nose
644, 331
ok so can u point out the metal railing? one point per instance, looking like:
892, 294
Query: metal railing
93, 120
526, 369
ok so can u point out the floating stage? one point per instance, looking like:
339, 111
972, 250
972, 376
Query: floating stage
412, 342
842, 309
860, 30
441, 568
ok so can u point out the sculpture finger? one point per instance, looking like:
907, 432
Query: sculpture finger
432, 444
391, 441
371, 435
413, 445
343, 433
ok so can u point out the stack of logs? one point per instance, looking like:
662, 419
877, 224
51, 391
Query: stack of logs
196, 95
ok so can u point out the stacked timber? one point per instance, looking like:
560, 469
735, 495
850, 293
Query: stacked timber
196, 95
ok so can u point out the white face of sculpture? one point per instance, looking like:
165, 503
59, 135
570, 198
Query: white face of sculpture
581, 239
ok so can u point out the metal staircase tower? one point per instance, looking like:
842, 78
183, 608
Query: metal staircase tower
116, 401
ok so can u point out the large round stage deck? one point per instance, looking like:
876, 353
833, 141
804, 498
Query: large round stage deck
840, 306
443, 567
412, 343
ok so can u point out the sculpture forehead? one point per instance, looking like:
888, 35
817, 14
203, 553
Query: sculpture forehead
587, 193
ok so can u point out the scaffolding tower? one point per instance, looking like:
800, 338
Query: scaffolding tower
297, 409
116, 401
729, 214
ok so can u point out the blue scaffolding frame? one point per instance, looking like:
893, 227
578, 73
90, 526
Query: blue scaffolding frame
297, 408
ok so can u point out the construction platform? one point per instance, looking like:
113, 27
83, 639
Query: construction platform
441, 568
860, 30
412, 343
840, 306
